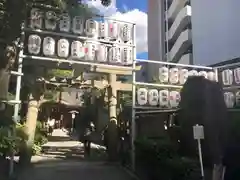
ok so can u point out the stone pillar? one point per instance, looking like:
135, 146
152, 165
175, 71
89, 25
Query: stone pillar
112, 131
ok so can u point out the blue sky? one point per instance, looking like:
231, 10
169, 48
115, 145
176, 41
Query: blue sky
123, 5
128, 5
132, 11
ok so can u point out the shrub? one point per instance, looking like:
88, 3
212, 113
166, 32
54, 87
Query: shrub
10, 142
159, 159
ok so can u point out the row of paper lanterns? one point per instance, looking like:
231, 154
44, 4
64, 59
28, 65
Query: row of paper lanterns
76, 50
171, 99
154, 97
231, 99
110, 29
230, 77
175, 75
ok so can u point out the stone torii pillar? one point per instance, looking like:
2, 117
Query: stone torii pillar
114, 86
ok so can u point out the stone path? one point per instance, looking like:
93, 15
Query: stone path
64, 160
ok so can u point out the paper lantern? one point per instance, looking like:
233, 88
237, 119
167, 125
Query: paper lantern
164, 98
227, 77
229, 99
51, 20
174, 99
163, 74
63, 48
78, 25
127, 55
183, 75
114, 55
126, 32
153, 97
211, 76
90, 50
103, 30
192, 73
36, 18
77, 50
48, 46
203, 73
102, 53
34, 44
92, 28
173, 75
237, 75
142, 96
113, 30
65, 23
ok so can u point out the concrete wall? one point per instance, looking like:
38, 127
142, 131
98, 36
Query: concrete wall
215, 30
156, 35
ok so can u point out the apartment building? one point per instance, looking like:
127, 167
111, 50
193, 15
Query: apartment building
200, 32
178, 34
169, 33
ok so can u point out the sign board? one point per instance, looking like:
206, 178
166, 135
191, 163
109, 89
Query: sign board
198, 132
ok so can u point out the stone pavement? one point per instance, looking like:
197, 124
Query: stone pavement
64, 160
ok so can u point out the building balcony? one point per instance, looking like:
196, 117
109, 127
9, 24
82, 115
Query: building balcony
181, 46
182, 20
186, 59
175, 8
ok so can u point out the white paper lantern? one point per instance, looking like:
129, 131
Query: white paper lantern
203, 73
174, 99
102, 53
113, 30
77, 50
183, 75
173, 75
127, 56
192, 73
153, 97
211, 76
164, 98
92, 28
103, 30
90, 50
51, 20
163, 74
126, 32
237, 75
237, 98
227, 77
78, 25
142, 96
229, 99
48, 46
63, 48
34, 44
65, 23
36, 18
114, 55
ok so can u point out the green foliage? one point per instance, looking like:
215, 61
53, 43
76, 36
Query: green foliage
8, 141
60, 73
160, 159
12, 142
40, 138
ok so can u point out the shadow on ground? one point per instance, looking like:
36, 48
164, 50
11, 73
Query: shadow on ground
66, 169
58, 138
74, 153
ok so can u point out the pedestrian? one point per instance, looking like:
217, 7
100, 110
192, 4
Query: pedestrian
51, 124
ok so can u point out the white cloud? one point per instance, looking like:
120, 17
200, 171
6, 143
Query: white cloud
140, 19
135, 16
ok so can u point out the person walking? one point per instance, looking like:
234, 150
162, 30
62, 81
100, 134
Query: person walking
51, 124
